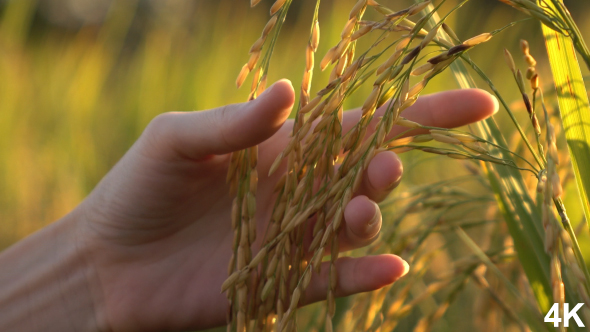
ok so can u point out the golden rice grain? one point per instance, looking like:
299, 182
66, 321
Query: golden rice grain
323, 123
534, 82
407, 123
403, 43
268, 286
295, 298
272, 266
408, 103
316, 240
258, 258
242, 76
319, 110
482, 38
277, 6
509, 60
327, 236
350, 71
337, 218
311, 105
230, 281
416, 89
315, 36
331, 304
383, 77
275, 164
530, 72
256, 78
334, 74
269, 25
340, 49
450, 32
476, 147
328, 58
357, 9
363, 30
444, 138
415, 9
347, 31
306, 81
530, 60
422, 69
257, 46
429, 37
422, 138
371, 100
253, 60
341, 65
262, 85
389, 62
309, 61
524, 46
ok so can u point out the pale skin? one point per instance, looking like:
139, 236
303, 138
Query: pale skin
148, 249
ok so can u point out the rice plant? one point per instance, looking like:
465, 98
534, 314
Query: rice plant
485, 230
321, 166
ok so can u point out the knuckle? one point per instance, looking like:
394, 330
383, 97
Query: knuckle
159, 124
222, 120
158, 131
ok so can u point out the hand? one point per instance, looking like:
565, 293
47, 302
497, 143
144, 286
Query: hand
156, 230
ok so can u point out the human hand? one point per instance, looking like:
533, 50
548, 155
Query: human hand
156, 231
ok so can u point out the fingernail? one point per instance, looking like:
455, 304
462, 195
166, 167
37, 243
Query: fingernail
274, 84
397, 180
406, 268
496, 104
376, 216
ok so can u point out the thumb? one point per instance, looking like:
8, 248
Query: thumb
196, 135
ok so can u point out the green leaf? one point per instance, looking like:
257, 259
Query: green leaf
516, 205
573, 106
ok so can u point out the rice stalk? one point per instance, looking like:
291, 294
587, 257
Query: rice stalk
271, 283
514, 202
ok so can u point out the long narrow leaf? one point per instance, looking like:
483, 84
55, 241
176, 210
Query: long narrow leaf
573, 106
516, 205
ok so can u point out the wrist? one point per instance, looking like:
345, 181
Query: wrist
47, 284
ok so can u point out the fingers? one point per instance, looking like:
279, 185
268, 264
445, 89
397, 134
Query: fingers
447, 109
357, 275
362, 216
196, 135
382, 176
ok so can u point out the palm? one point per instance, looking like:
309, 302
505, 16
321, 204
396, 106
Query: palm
159, 231
187, 237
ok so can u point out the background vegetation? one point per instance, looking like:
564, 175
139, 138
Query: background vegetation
81, 79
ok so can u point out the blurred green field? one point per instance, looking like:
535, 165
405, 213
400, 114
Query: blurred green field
77, 89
